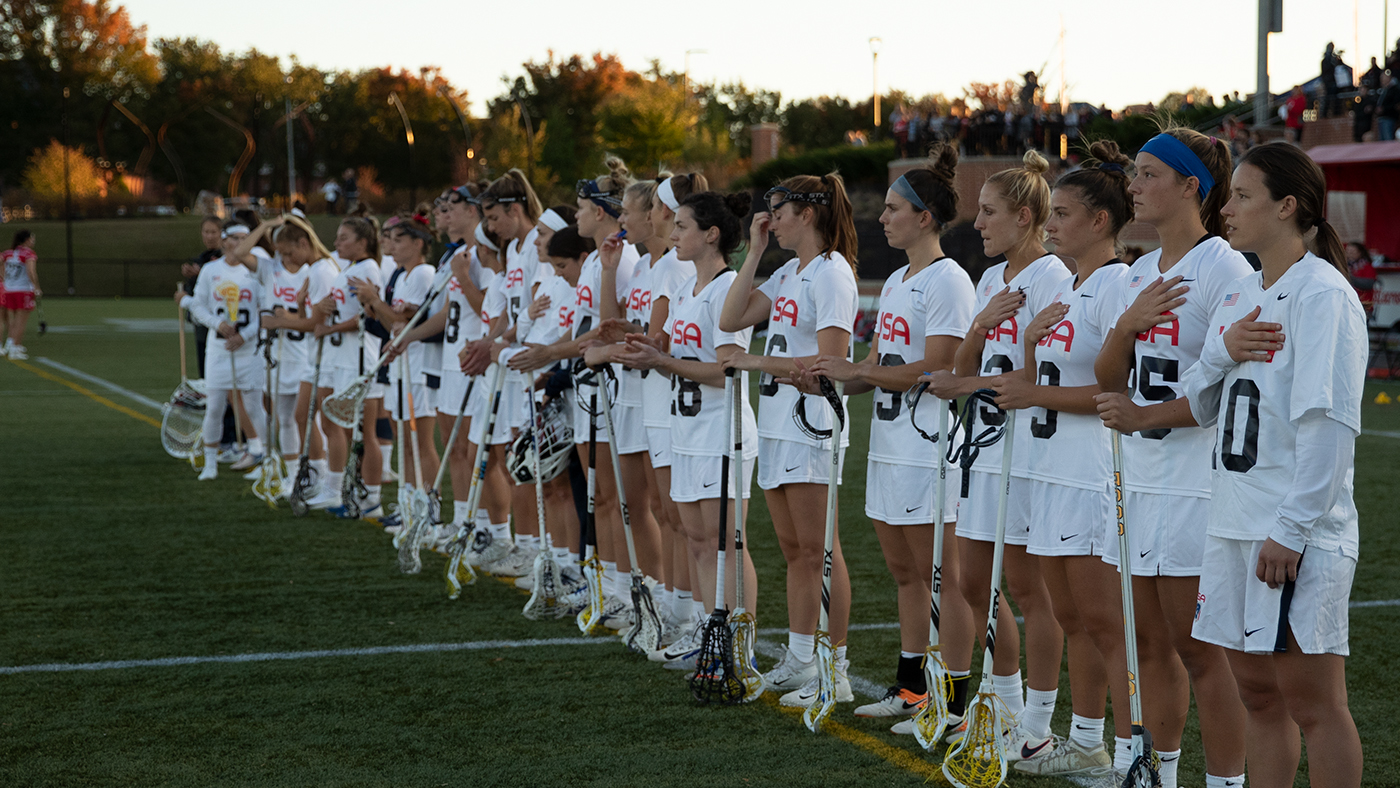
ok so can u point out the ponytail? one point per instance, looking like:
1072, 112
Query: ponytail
835, 222
1289, 171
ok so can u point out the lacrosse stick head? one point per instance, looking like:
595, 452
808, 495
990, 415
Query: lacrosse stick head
415, 528
1144, 771
826, 685
979, 760
197, 460
182, 429
544, 597
590, 619
745, 629
932, 719
348, 492
715, 680
301, 489
645, 637
343, 407
458, 572
405, 501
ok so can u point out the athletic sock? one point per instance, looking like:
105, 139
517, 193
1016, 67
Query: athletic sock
387, 462
372, 499
841, 655
802, 647
522, 541
460, 512
1122, 753
1008, 688
255, 446
698, 611
910, 672
957, 700
681, 605
483, 520
321, 466
1167, 771
610, 588
1213, 781
1087, 732
500, 531
1040, 707
562, 557
335, 481
211, 457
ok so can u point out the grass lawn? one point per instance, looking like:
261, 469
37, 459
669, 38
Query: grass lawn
109, 550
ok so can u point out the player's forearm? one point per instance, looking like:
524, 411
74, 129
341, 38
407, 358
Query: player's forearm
1167, 415
967, 362
1074, 399
1115, 361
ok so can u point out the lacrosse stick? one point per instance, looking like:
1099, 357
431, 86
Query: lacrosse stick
404, 494
590, 619
741, 621
645, 637
302, 485
544, 597
182, 416
434, 495
1143, 772
979, 760
459, 570
825, 700
352, 487
715, 680
339, 406
231, 295
932, 719
418, 505
43, 324
268, 485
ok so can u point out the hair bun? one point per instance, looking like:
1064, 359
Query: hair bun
738, 203
616, 167
944, 166
1107, 152
1035, 163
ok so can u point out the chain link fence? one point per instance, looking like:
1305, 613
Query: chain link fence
110, 277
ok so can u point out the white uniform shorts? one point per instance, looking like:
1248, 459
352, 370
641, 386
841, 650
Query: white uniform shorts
1236, 610
1069, 521
904, 494
631, 432
512, 403
696, 478
977, 513
218, 372
481, 414
340, 379
422, 400
790, 462
449, 396
659, 445
1168, 534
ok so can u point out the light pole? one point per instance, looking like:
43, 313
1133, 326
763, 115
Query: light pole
291, 152
875, 76
408, 133
67, 198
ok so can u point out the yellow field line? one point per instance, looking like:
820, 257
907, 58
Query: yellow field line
901, 758
99, 399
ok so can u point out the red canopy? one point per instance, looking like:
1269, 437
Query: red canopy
1373, 168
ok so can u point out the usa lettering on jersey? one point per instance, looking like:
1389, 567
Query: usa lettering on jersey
785, 309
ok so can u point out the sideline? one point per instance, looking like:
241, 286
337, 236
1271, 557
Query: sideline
99, 399
107, 384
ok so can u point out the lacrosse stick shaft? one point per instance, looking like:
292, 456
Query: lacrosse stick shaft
617, 477
720, 588
270, 440
452, 437
536, 425
1125, 551
829, 540
939, 491
484, 450
399, 418
999, 546
183, 361
236, 402
736, 468
311, 407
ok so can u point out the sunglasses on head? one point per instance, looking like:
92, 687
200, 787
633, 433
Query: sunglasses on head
588, 190
778, 196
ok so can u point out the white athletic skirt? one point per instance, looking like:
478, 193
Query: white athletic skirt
631, 432
977, 513
904, 494
341, 379
422, 400
659, 444
218, 371
1168, 534
454, 386
1236, 610
696, 478
481, 414
790, 462
1069, 521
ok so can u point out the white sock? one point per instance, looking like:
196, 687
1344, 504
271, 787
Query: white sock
1087, 732
1213, 781
1040, 707
522, 540
681, 604
335, 480
500, 530
255, 446
1008, 688
483, 519
321, 466
561, 556
1170, 760
911, 654
841, 655
1122, 753
610, 579
372, 499
387, 460
802, 647
460, 512
698, 611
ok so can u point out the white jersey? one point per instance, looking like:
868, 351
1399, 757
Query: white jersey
1256, 406
219, 286
387, 267
464, 324
432, 351
700, 418
587, 294
557, 322
936, 301
821, 295
411, 289
522, 270
280, 288
1004, 351
1173, 461
1074, 449
16, 272
354, 350
665, 277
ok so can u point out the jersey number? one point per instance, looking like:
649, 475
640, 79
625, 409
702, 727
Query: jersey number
1049, 373
1243, 388
454, 320
1166, 370
890, 413
767, 384
687, 401
996, 365
295, 336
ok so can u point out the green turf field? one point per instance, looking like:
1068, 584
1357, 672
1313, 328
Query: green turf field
110, 551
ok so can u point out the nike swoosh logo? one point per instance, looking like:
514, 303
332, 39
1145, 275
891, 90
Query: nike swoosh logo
1184, 281
1144, 553
1086, 295
707, 486
1249, 632
1283, 296
1067, 538
914, 291
793, 468
907, 511
1028, 752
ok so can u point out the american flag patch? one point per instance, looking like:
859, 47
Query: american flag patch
1231, 299
1135, 281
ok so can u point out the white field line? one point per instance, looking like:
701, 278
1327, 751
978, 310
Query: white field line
1381, 433
768, 649
107, 384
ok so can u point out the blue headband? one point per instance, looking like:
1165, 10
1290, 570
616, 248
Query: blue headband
1175, 154
903, 189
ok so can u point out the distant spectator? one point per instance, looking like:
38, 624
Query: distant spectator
899, 127
351, 185
1362, 273
856, 138
1293, 110
1363, 113
1387, 107
1372, 77
1331, 59
332, 192
1028, 91
1392, 61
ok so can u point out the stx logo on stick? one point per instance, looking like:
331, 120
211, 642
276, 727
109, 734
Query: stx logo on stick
893, 327
785, 309
1063, 332
1170, 329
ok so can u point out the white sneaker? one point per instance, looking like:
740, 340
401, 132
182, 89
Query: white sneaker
248, 460
953, 734
789, 674
898, 702
519, 562
617, 615
228, 455
211, 471
1021, 746
688, 644
17, 353
526, 582
803, 697
1070, 757
486, 549
253, 474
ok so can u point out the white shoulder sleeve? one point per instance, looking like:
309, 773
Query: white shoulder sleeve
1325, 454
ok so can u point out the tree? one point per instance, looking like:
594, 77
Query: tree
563, 99
647, 123
44, 175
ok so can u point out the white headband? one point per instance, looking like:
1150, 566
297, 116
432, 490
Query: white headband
298, 212
237, 229
484, 241
553, 220
668, 195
